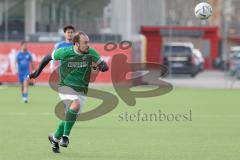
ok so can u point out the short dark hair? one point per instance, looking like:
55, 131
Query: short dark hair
23, 42
76, 37
68, 27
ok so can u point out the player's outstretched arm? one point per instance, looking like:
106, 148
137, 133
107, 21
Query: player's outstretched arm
43, 63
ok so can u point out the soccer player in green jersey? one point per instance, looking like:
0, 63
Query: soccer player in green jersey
75, 70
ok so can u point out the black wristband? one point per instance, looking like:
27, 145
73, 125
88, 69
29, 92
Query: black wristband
103, 67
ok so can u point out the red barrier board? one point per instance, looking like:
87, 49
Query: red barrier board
8, 52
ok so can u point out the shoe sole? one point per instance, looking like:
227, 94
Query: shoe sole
63, 145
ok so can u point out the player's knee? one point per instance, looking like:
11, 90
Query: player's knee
75, 105
25, 83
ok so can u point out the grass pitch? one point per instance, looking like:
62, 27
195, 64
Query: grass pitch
213, 133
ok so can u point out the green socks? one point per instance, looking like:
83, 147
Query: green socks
65, 127
59, 132
71, 117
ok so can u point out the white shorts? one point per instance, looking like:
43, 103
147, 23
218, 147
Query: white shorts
68, 94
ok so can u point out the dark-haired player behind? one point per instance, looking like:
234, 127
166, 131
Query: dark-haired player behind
68, 34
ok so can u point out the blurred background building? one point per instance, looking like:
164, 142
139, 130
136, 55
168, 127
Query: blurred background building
149, 24
21, 19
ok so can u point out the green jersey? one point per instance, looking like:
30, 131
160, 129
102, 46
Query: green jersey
75, 68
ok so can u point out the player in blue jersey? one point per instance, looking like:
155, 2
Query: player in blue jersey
68, 33
24, 61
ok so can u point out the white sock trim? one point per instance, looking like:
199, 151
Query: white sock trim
55, 139
66, 136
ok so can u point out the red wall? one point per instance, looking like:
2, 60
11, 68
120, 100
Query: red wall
38, 51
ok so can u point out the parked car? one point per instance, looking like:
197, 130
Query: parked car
180, 58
